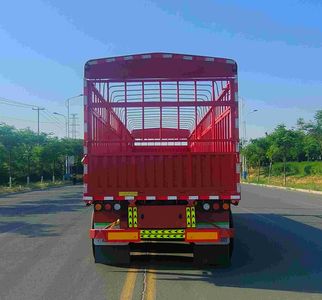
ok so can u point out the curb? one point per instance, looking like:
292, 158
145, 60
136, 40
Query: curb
284, 188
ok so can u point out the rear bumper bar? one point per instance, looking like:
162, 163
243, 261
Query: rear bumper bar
209, 235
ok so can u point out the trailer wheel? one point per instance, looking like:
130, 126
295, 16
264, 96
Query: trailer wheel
231, 244
92, 226
211, 255
110, 254
214, 254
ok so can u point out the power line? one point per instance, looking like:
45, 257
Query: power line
25, 120
50, 118
15, 103
44, 112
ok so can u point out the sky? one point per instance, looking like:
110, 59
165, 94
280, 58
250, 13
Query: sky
277, 45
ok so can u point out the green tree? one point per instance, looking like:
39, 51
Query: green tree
272, 154
311, 148
256, 153
285, 141
8, 138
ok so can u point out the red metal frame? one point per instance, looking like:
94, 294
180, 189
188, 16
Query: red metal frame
161, 126
160, 103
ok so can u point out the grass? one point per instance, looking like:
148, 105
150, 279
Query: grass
301, 175
30, 187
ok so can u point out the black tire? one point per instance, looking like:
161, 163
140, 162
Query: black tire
231, 244
214, 255
110, 254
219, 255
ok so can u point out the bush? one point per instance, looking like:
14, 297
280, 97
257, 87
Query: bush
303, 168
307, 170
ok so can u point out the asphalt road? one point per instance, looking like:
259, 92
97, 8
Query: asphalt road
45, 253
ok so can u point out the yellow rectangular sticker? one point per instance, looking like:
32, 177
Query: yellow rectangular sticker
122, 236
198, 236
133, 194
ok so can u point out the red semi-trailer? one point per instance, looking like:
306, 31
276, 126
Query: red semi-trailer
161, 155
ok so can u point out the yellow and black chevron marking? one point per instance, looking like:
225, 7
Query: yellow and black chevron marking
132, 214
162, 233
191, 217
129, 217
188, 216
135, 217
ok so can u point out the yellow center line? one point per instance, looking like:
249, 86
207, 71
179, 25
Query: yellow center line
129, 284
150, 284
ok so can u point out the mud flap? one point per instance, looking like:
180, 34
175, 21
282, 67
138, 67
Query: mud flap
112, 255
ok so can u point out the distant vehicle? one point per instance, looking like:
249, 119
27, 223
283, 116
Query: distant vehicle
161, 157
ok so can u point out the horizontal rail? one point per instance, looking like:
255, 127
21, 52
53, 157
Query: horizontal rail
162, 104
165, 140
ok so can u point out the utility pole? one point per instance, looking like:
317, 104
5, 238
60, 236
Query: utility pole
38, 109
67, 105
74, 126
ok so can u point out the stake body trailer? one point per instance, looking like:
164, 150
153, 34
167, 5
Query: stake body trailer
161, 155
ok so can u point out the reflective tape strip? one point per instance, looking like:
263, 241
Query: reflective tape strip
167, 55
237, 147
161, 231
187, 57
130, 198
93, 62
129, 217
135, 217
236, 123
235, 197
110, 59
146, 56
236, 96
85, 169
238, 187
85, 149
87, 198
85, 126
85, 188
162, 234
237, 168
128, 57
209, 59
230, 61
193, 217
85, 100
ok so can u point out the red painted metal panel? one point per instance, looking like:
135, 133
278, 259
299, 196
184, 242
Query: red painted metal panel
165, 216
159, 174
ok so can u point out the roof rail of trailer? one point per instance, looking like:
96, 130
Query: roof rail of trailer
158, 66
